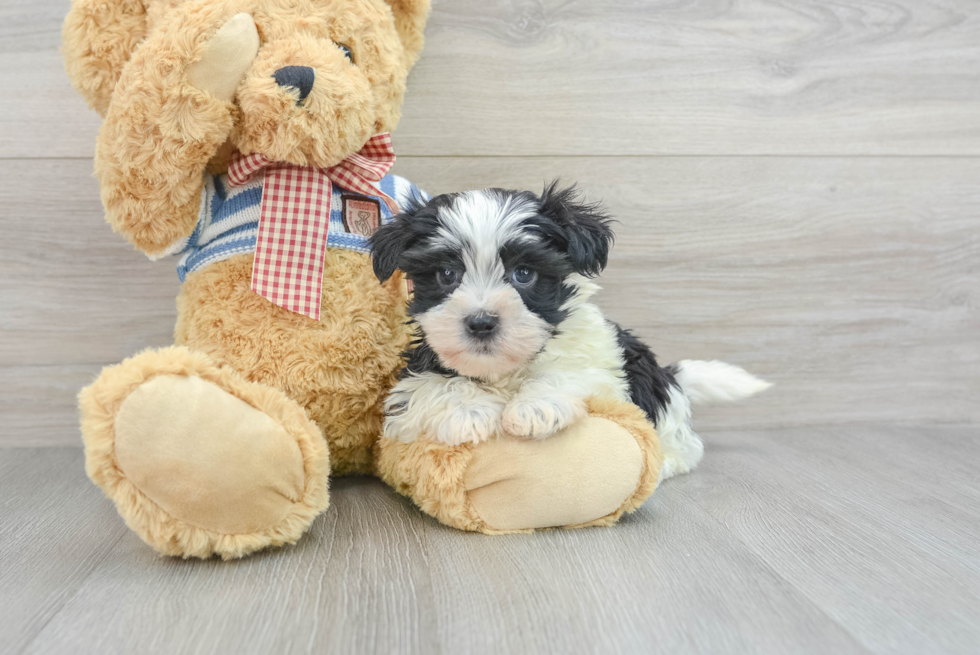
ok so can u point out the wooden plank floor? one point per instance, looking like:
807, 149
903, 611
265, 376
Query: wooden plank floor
853, 539
798, 190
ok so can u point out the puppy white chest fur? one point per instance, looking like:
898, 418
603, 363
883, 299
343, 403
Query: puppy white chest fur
585, 353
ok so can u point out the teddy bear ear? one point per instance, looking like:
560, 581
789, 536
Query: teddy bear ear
98, 38
410, 17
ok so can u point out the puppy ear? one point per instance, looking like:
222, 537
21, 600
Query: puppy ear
387, 245
394, 238
583, 229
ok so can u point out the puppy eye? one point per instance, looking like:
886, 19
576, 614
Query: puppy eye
347, 52
523, 276
448, 277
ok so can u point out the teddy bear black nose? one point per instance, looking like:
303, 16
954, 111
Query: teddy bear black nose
299, 77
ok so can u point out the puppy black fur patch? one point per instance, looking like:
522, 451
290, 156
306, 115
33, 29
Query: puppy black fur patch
650, 383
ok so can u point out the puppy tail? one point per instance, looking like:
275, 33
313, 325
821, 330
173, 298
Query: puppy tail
716, 382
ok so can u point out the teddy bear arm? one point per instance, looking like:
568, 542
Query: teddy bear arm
154, 205
151, 156
170, 114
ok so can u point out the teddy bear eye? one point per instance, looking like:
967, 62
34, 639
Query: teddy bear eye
347, 52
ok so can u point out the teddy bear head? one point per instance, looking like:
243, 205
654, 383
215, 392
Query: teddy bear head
321, 76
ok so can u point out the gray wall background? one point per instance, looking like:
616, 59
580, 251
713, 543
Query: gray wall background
798, 186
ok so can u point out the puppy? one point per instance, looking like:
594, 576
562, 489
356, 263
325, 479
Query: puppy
508, 340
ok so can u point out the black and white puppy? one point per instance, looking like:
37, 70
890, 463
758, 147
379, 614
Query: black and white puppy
507, 338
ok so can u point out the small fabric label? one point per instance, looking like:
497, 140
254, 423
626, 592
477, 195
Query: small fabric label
361, 215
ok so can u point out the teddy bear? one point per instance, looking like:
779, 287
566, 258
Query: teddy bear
249, 138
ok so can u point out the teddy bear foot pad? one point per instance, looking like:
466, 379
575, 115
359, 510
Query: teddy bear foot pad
516, 484
198, 460
589, 474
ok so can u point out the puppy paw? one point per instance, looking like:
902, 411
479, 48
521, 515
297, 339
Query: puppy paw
538, 418
227, 59
468, 424
459, 425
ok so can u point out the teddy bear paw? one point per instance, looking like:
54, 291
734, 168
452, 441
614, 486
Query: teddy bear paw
198, 460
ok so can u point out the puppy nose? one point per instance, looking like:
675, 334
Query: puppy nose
482, 325
299, 77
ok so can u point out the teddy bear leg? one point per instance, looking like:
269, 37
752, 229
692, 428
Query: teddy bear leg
587, 474
200, 461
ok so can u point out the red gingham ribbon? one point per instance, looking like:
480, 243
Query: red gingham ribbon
295, 219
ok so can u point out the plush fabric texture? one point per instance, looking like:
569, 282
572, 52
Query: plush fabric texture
182, 85
97, 40
207, 457
161, 130
222, 444
437, 477
288, 431
339, 368
578, 474
227, 58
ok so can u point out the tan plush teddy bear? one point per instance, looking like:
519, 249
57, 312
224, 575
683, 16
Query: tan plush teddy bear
249, 137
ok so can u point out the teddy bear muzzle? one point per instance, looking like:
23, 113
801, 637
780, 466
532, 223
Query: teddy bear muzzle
304, 102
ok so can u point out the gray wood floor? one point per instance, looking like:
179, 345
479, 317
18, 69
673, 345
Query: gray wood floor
813, 540
798, 190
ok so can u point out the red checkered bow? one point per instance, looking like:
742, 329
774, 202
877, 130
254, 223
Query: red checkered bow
295, 219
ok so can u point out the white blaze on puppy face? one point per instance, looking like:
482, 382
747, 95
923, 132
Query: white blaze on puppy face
521, 333
477, 225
